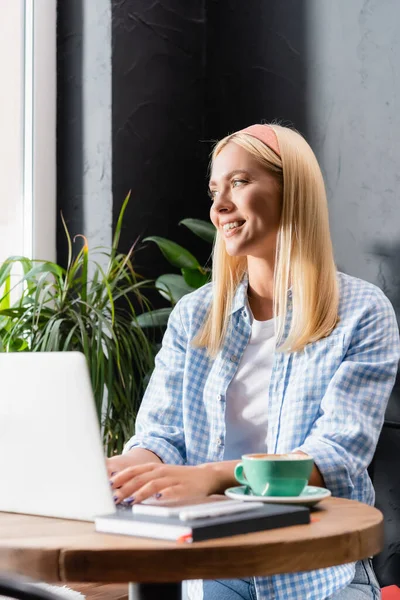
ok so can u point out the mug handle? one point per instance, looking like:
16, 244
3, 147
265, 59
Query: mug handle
239, 475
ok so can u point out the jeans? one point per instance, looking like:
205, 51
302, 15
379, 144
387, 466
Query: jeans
363, 587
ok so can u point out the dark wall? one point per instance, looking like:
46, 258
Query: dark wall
256, 64
186, 74
158, 83
69, 122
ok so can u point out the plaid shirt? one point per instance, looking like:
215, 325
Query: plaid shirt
328, 400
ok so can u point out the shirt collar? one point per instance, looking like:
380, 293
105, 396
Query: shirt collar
240, 298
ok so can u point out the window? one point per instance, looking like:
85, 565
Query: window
28, 128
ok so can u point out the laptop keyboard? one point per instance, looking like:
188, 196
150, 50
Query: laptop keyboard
123, 506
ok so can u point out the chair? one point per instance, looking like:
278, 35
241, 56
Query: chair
385, 475
22, 588
391, 592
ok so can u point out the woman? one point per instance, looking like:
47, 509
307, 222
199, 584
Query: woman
280, 353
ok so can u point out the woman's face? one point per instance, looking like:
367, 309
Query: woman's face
246, 203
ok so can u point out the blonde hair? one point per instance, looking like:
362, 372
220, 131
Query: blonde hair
304, 259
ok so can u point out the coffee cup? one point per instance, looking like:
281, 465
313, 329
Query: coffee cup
275, 474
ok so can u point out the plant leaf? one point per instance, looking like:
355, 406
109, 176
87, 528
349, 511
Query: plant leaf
118, 227
154, 318
175, 254
203, 229
5, 300
5, 272
45, 267
173, 287
84, 271
91, 311
195, 278
69, 242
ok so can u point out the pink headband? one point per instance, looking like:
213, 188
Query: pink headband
265, 134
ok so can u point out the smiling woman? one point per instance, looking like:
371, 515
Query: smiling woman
279, 193
246, 211
281, 353
245, 201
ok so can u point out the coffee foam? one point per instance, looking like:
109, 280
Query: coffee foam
289, 456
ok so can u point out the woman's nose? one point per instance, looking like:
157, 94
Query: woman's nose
222, 202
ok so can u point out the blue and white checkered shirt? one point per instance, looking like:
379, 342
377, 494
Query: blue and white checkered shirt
328, 400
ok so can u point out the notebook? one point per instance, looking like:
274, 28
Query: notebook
154, 525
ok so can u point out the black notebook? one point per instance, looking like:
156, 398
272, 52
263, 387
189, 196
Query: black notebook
267, 516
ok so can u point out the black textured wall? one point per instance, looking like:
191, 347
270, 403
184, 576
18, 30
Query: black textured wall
69, 122
256, 64
158, 82
185, 74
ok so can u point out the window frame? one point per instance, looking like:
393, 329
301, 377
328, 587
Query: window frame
28, 120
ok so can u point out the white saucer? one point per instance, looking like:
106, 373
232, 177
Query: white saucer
309, 496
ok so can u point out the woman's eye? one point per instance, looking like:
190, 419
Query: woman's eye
237, 182
212, 194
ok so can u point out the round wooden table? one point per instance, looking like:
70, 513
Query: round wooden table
57, 550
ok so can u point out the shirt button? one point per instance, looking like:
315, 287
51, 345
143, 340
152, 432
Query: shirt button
219, 442
244, 313
234, 358
219, 397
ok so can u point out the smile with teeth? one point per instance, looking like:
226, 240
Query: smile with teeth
232, 225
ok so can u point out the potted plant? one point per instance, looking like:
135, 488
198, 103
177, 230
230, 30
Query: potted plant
87, 308
173, 286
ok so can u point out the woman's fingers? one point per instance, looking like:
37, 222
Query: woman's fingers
169, 492
137, 491
112, 465
117, 463
120, 478
128, 482
135, 484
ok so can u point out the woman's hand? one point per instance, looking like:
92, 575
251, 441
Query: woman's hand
136, 456
166, 482
118, 463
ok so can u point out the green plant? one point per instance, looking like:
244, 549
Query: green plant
172, 286
90, 309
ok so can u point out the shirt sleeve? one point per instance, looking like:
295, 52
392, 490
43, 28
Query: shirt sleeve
343, 439
159, 423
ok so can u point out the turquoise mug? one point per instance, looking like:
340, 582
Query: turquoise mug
275, 474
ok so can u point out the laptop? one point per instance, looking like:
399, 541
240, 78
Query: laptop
51, 455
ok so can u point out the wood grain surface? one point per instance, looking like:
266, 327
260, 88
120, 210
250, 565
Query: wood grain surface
71, 551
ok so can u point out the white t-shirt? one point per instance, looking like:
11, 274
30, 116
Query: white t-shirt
247, 395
